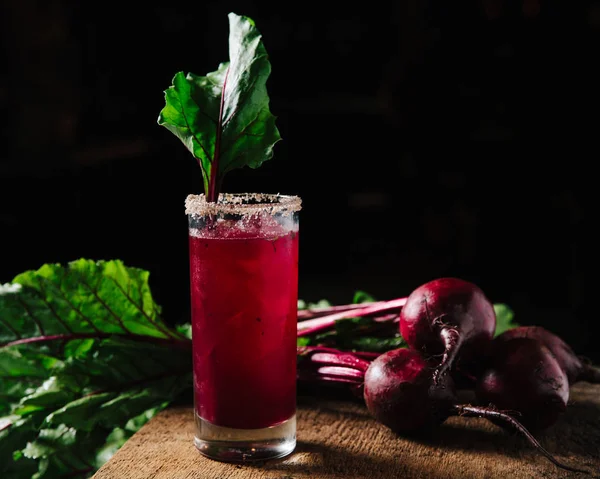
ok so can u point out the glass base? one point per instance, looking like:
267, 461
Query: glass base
244, 445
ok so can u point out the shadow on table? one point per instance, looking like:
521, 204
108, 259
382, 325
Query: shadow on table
454, 434
577, 433
577, 430
316, 460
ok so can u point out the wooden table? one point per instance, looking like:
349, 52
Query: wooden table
337, 439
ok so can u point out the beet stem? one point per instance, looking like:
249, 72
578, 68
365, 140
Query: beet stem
489, 413
347, 360
326, 310
341, 371
212, 194
366, 355
174, 342
316, 377
316, 325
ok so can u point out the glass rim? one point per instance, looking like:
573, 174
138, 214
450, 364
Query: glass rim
243, 204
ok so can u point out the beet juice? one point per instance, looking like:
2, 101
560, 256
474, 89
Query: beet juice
244, 292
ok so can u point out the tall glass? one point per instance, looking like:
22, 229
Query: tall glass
243, 254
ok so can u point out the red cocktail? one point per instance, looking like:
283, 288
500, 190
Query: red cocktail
244, 292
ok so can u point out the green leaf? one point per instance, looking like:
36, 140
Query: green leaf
14, 364
363, 297
15, 432
64, 451
22, 371
123, 407
20, 468
83, 351
504, 318
55, 390
367, 335
78, 348
185, 330
49, 440
114, 383
84, 300
81, 412
223, 118
119, 435
113, 443
375, 344
322, 303
135, 423
118, 379
120, 362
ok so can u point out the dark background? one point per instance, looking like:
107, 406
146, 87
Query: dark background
425, 138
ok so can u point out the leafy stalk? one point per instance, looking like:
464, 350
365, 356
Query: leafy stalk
83, 352
223, 118
320, 311
84, 299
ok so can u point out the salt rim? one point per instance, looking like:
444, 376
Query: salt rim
236, 203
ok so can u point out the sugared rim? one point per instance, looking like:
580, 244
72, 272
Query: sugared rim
243, 204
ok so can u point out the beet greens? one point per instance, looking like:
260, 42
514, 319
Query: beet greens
223, 118
85, 360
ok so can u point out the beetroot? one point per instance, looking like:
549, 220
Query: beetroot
400, 393
574, 367
449, 318
525, 377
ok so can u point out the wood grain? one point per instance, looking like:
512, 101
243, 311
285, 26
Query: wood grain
337, 439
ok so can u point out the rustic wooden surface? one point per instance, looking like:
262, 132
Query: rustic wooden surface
337, 439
